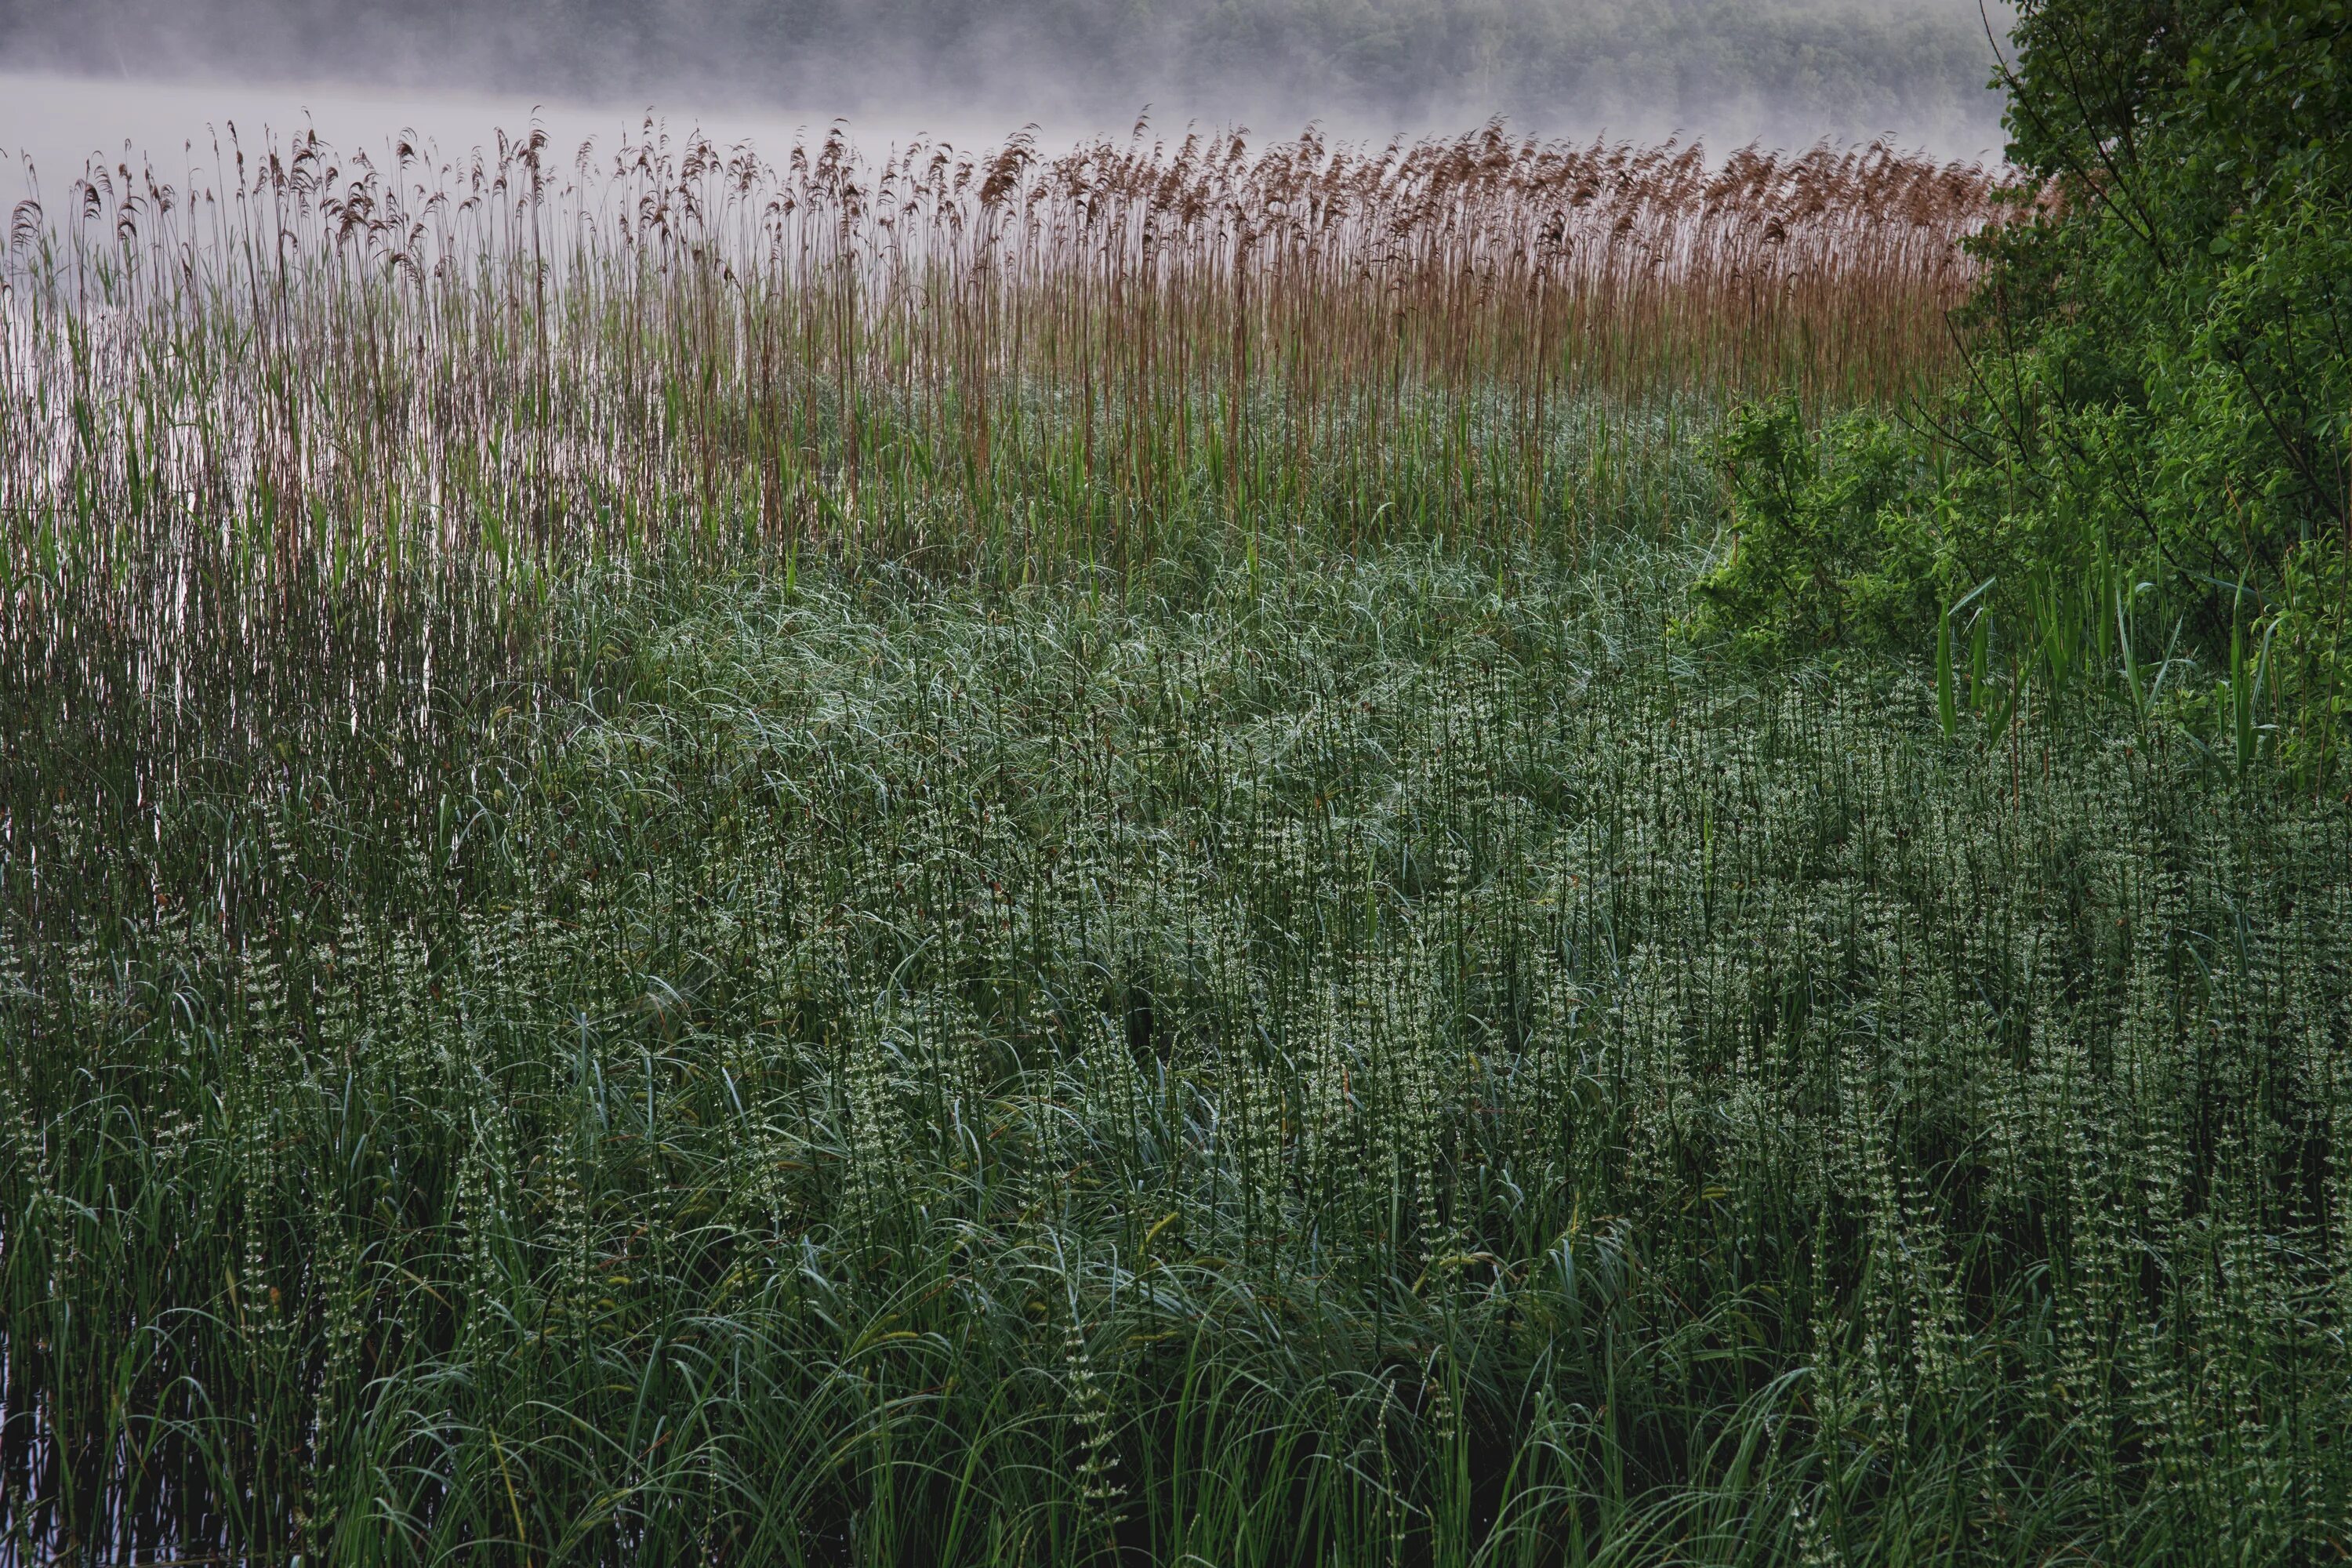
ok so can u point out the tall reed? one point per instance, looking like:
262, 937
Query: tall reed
1095, 349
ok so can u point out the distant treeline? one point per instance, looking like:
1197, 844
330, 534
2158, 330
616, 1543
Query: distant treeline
1782, 70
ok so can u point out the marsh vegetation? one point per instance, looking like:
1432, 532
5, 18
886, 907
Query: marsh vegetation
980, 858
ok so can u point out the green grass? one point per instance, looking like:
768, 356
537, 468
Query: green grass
1380, 1056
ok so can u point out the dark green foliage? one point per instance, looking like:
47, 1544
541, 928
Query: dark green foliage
2171, 359
2162, 354
2166, 367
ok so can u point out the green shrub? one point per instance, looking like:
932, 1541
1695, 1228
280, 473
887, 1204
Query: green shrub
1832, 532
2159, 402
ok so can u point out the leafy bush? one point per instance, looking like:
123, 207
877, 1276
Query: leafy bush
1831, 538
2161, 375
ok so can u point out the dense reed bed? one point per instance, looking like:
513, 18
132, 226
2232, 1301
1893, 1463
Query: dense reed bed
1095, 350
295, 401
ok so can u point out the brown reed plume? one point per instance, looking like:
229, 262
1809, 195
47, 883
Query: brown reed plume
311, 335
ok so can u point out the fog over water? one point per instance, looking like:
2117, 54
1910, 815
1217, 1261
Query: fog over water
84, 77
51, 124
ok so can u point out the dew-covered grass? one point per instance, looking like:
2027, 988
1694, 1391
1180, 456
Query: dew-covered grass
1379, 1055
